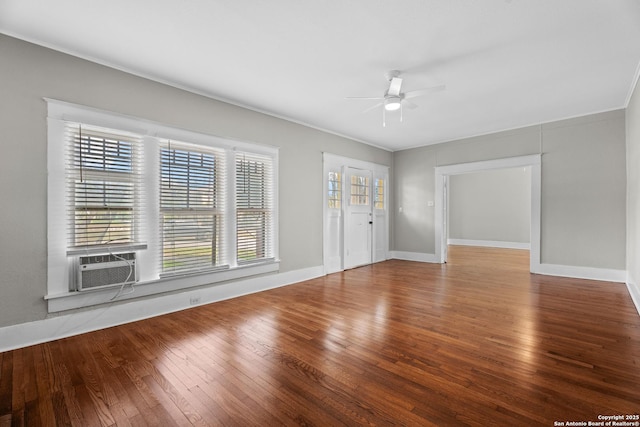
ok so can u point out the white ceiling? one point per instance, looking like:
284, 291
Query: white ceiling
505, 63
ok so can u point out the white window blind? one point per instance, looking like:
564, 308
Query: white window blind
192, 187
103, 184
254, 208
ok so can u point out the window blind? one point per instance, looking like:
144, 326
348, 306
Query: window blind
192, 187
103, 184
254, 208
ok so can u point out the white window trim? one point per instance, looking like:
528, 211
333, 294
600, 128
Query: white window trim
59, 263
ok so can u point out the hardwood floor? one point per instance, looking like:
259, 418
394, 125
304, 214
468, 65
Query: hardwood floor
478, 341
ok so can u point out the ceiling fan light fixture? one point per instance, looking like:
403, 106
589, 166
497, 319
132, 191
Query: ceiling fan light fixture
392, 103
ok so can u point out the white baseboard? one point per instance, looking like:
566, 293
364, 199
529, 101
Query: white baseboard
60, 326
489, 243
413, 256
591, 273
634, 291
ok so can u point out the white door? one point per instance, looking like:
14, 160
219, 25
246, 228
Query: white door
358, 218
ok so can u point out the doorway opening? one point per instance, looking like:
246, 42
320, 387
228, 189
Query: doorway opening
442, 179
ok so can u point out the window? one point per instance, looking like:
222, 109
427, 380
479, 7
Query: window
335, 190
191, 207
359, 190
103, 176
254, 207
378, 194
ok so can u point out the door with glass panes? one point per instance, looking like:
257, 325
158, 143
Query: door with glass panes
358, 218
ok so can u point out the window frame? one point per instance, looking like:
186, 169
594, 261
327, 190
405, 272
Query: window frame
60, 259
86, 179
360, 190
245, 207
187, 208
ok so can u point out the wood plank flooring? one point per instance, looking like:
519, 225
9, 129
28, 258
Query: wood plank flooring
478, 341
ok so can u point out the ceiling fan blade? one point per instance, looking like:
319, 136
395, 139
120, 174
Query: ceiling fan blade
364, 97
373, 107
395, 86
409, 104
422, 92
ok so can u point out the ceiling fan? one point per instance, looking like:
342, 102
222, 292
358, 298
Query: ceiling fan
394, 99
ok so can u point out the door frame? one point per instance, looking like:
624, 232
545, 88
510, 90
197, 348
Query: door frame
442, 174
333, 162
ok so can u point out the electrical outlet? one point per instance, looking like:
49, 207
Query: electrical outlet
194, 300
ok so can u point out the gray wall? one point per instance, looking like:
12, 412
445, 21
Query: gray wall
28, 73
633, 190
583, 187
491, 205
583, 170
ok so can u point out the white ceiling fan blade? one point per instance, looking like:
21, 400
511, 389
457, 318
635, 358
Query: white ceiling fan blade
373, 107
364, 97
422, 92
395, 86
409, 104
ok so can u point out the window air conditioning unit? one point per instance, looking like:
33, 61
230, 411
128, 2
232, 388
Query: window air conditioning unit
101, 271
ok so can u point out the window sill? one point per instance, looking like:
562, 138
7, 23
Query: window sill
106, 249
72, 300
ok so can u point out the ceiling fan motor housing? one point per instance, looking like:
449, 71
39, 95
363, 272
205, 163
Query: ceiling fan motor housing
392, 103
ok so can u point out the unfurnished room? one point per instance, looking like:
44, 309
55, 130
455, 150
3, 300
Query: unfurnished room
264, 213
